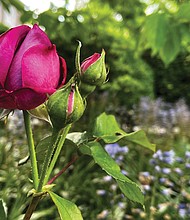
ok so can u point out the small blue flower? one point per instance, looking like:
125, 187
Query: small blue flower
124, 149
182, 206
179, 159
158, 155
166, 170
107, 178
187, 165
125, 172
146, 187
114, 149
101, 192
157, 168
119, 159
122, 205
166, 191
178, 171
182, 213
168, 157
170, 153
153, 162
163, 180
168, 160
187, 154
145, 174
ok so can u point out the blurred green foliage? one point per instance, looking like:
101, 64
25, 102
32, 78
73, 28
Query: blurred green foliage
147, 55
129, 31
6, 4
100, 25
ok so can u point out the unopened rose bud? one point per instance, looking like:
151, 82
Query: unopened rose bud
93, 69
65, 106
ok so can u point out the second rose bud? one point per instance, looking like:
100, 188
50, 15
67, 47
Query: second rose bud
93, 69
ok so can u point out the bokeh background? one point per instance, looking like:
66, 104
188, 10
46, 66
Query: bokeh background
147, 44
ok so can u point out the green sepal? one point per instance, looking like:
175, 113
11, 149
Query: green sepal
86, 89
40, 112
77, 58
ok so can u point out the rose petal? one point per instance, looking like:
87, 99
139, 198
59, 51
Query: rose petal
88, 61
70, 103
9, 41
27, 99
34, 37
7, 100
23, 99
41, 69
63, 71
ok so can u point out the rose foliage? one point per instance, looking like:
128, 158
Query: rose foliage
33, 79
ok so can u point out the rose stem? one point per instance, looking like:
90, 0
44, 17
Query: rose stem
32, 207
60, 143
55, 143
31, 147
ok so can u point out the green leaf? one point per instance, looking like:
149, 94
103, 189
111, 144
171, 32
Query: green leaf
107, 128
131, 191
183, 12
162, 36
172, 45
2, 211
139, 137
155, 31
67, 210
77, 137
41, 150
103, 159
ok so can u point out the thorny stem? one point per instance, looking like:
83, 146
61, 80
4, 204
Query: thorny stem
31, 147
32, 207
47, 160
59, 145
57, 142
53, 152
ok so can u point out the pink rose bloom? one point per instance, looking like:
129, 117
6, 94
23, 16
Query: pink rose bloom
30, 68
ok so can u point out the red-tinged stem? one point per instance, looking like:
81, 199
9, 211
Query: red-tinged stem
63, 170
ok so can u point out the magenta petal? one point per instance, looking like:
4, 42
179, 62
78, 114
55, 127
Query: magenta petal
41, 69
63, 71
89, 61
27, 99
7, 100
23, 99
9, 41
70, 103
34, 37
